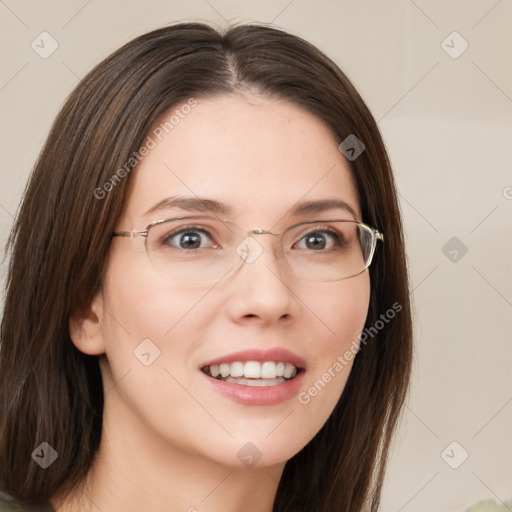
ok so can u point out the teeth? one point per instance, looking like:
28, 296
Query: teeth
288, 370
224, 369
253, 370
237, 369
256, 382
268, 370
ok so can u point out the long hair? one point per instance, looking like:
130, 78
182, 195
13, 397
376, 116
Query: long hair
51, 392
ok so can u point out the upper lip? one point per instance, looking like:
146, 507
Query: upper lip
273, 354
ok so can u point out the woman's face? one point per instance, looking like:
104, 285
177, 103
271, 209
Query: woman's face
260, 158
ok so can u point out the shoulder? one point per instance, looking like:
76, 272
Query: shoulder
9, 504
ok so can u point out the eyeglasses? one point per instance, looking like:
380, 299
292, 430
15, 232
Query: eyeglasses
202, 248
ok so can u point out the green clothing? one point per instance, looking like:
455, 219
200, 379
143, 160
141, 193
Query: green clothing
9, 504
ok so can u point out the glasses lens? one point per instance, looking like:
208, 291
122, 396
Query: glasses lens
205, 249
328, 251
193, 248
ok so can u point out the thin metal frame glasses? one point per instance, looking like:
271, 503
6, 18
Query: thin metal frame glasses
315, 250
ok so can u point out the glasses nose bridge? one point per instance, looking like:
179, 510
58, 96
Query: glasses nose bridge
248, 252
258, 231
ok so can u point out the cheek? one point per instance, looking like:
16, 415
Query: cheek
145, 315
150, 333
343, 315
141, 302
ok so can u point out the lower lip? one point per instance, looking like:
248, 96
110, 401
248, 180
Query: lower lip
265, 395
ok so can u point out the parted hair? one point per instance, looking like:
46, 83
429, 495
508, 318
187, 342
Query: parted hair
51, 392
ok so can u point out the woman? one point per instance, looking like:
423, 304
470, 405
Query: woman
162, 348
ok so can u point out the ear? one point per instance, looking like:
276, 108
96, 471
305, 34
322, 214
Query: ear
86, 328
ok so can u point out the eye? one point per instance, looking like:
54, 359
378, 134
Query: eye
192, 237
321, 239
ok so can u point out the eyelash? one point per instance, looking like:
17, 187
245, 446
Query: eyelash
339, 239
335, 235
183, 230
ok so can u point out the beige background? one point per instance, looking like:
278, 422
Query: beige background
448, 125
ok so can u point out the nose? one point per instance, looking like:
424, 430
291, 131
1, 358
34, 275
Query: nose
261, 289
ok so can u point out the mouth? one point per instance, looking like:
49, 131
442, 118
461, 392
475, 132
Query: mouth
253, 373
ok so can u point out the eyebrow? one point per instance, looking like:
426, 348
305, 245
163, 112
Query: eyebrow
191, 204
204, 205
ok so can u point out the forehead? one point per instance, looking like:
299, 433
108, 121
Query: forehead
259, 156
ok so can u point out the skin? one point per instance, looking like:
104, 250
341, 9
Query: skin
170, 442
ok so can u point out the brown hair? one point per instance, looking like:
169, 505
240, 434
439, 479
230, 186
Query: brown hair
50, 391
